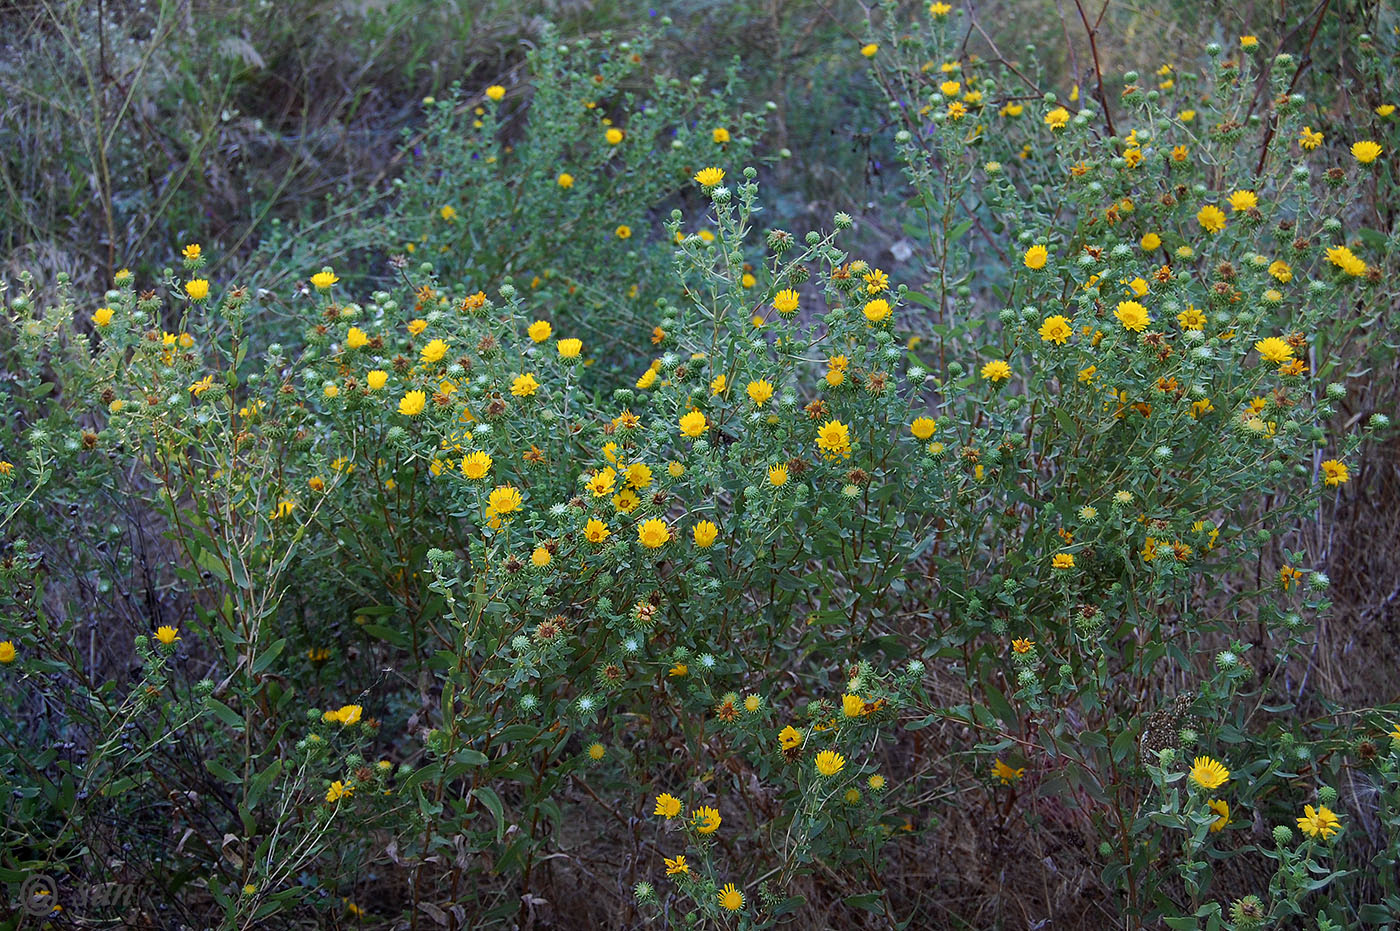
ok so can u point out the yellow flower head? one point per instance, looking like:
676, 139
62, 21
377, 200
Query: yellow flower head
476, 465
1133, 316
720, 135
778, 476
997, 370
565, 180
524, 385
613, 135
541, 557
709, 177
495, 92
1335, 472
167, 635
1208, 773
504, 499
1036, 257
1211, 218
870, 50
705, 819
1055, 329
324, 279
790, 738
434, 351
877, 310
1273, 349
1365, 151
1057, 118
102, 316
1319, 822
730, 899
829, 762
785, 301
412, 404
704, 533
1222, 809
693, 424
653, 533
595, 531
569, 348
1151, 242
923, 427
1063, 561
539, 331
834, 440
759, 391
197, 289
7, 652
1240, 201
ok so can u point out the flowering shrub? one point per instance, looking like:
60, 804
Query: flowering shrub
798, 598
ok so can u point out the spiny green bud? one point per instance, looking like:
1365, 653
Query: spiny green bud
1283, 835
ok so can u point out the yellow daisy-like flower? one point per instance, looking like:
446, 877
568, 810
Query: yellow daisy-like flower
539, 331
730, 899
869, 50
759, 391
476, 465
676, 867
565, 180
996, 370
1221, 808
541, 557
167, 635
524, 385
1208, 773
704, 533
1063, 561
412, 404
785, 301
923, 428
569, 348
596, 531
1211, 218
790, 738
829, 762
197, 289
1335, 472
1191, 319
102, 316
324, 280
504, 499
1055, 329
1309, 138
613, 135
495, 92
778, 476
877, 310
1133, 316
1151, 242
339, 790
705, 819
709, 177
1007, 774
1240, 201
1319, 822
834, 439
1366, 151
1035, 257
1273, 349
7, 652
1057, 118
653, 533
693, 424
434, 351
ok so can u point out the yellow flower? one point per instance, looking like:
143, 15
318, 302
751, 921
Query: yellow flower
1343, 258
1055, 329
829, 762
1309, 138
869, 50
1006, 774
1063, 561
653, 533
939, 10
677, 866
596, 751
1335, 472
709, 177
376, 379
623, 232
102, 316
1273, 349
495, 92
693, 424
647, 380
540, 557
1191, 319
448, 212
680, 670
876, 310
524, 385
719, 383
1385, 109
852, 706
1208, 773
569, 348
323, 280
504, 499
1057, 118
1221, 808
759, 391
705, 819
167, 635
434, 351
1241, 201
412, 404
1133, 316
639, 475
1319, 822
1211, 218
785, 301
1365, 151
595, 531
834, 439
790, 738
339, 790
7, 652
730, 899
539, 331
613, 135
476, 465
191, 252
923, 427
1281, 270
1248, 41
1022, 646
601, 483
197, 289
565, 180
778, 476
1036, 257
705, 533
997, 370
1151, 242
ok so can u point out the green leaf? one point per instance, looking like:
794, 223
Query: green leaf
220, 771
269, 656
387, 634
226, 714
872, 902
491, 800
